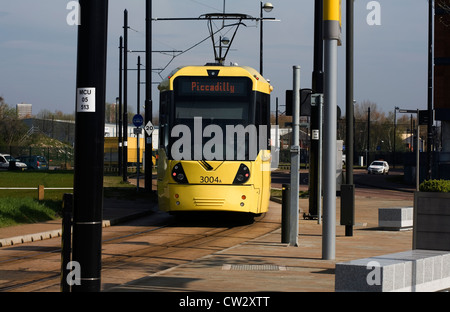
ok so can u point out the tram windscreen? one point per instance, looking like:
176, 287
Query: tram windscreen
219, 101
212, 110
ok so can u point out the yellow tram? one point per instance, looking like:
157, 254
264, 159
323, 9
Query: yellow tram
214, 132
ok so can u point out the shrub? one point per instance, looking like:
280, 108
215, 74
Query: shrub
442, 186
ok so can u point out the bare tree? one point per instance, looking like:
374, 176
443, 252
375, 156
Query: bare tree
11, 128
382, 128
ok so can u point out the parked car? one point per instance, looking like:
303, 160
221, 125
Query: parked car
34, 162
378, 166
9, 162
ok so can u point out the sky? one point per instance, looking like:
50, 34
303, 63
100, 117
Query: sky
38, 49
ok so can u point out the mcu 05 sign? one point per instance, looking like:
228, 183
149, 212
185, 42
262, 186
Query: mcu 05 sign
85, 100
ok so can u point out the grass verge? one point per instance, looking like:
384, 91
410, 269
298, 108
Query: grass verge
15, 211
22, 206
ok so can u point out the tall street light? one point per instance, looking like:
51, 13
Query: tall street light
266, 7
89, 144
395, 133
430, 91
417, 142
315, 197
347, 189
148, 96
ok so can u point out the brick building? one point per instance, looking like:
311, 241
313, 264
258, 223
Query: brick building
442, 68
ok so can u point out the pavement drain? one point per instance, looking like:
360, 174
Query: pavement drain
252, 267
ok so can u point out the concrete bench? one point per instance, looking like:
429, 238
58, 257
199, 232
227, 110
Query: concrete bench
410, 271
396, 219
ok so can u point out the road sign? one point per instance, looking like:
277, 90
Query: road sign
305, 102
423, 117
149, 128
138, 120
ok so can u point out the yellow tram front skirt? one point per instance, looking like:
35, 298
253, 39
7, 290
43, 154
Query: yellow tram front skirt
236, 198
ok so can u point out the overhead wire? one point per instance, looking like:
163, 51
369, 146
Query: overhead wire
174, 54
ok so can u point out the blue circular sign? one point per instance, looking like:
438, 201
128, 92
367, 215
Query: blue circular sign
138, 120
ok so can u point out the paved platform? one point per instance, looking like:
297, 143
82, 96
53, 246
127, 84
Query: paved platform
263, 264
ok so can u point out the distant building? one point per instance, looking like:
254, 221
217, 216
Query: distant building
24, 110
442, 69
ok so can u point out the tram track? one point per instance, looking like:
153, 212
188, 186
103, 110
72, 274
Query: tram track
134, 249
140, 248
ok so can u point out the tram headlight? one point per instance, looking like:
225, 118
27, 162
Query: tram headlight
178, 174
242, 175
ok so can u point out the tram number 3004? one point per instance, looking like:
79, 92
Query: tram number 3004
209, 179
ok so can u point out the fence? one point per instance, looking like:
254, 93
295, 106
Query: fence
111, 157
57, 157
63, 158
394, 159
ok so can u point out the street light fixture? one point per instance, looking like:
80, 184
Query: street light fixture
268, 7
225, 41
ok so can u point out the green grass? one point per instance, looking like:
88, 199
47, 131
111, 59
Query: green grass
57, 178
22, 206
33, 179
14, 211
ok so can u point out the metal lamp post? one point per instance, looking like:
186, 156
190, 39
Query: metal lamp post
395, 133
411, 111
263, 7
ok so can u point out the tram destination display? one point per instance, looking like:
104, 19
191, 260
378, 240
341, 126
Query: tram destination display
222, 86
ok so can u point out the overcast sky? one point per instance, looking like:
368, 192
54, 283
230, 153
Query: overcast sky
38, 49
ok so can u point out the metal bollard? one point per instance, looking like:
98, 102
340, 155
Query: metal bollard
66, 241
285, 206
348, 208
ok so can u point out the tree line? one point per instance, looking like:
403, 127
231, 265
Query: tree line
14, 132
384, 131
11, 129
379, 131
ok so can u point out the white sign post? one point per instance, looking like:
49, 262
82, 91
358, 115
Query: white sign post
85, 100
149, 128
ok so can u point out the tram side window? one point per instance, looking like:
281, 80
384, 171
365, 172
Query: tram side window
262, 112
164, 120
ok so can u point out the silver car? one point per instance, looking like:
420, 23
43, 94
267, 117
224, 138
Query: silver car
5, 159
378, 166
